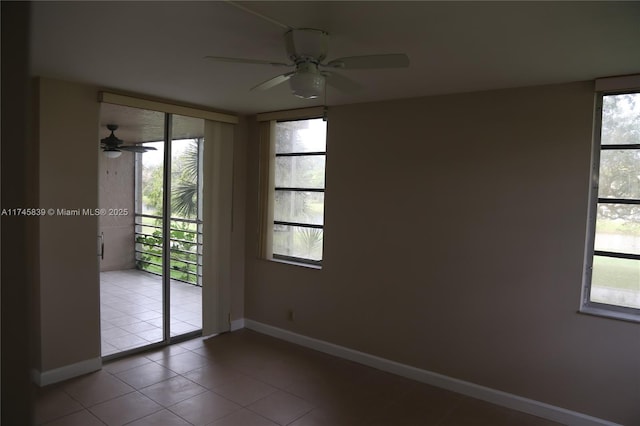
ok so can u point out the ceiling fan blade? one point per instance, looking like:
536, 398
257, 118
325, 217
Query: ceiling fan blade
247, 61
393, 60
341, 82
136, 148
272, 82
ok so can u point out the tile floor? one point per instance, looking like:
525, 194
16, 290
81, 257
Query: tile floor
248, 379
131, 309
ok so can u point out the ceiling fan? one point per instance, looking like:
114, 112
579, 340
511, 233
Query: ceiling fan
113, 147
307, 49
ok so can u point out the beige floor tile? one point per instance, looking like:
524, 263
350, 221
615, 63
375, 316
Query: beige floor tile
168, 351
124, 364
184, 362
420, 404
80, 418
96, 387
52, 403
326, 417
248, 379
172, 391
244, 390
106, 349
161, 418
194, 343
123, 319
137, 327
113, 333
386, 385
212, 375
125, 409
320, 391
132, 301
204, 408
127, 341
281, 407
154, 335
243, 418
145, 375
357, 406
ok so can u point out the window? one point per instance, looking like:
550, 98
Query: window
298, 166
293, 175
612, 284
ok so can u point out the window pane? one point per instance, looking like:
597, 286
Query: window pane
616, 281
300, 207
621, 119
301, 136
150, 184
185, 165
619, 174
618, 228
300, 172
295, 241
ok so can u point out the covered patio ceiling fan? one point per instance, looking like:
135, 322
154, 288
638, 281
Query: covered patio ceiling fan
307, 49
113, 146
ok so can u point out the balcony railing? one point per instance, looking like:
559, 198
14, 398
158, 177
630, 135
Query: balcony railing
185, 244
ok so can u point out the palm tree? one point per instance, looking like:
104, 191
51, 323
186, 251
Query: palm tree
311, 238
184, 191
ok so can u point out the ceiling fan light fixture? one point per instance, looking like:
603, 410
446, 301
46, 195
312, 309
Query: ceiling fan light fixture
307, 85
112, 153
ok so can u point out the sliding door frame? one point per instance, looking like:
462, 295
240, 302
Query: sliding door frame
221, 312
166, 230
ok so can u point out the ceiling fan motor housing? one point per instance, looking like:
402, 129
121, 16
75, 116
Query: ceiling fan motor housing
111, 141
306, 44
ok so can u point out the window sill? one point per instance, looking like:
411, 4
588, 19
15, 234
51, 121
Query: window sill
294, 263
608, 313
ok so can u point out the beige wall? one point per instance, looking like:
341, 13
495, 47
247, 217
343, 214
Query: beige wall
69, 323
67, 306
116, 191
454, 241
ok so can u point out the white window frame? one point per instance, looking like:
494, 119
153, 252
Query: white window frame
605, 87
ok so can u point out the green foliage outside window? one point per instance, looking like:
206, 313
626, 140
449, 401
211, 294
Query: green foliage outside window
184, 255
184, 205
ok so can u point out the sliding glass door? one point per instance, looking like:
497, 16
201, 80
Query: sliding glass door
156, 297
187, 143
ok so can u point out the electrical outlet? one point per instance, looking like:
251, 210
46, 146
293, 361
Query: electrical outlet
291, 316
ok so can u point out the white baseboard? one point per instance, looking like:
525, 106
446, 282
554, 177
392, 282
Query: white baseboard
237, 324
56, 375
515, 402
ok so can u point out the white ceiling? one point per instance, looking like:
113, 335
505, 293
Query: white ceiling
156, 48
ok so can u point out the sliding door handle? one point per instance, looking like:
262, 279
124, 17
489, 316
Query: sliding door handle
101, 236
